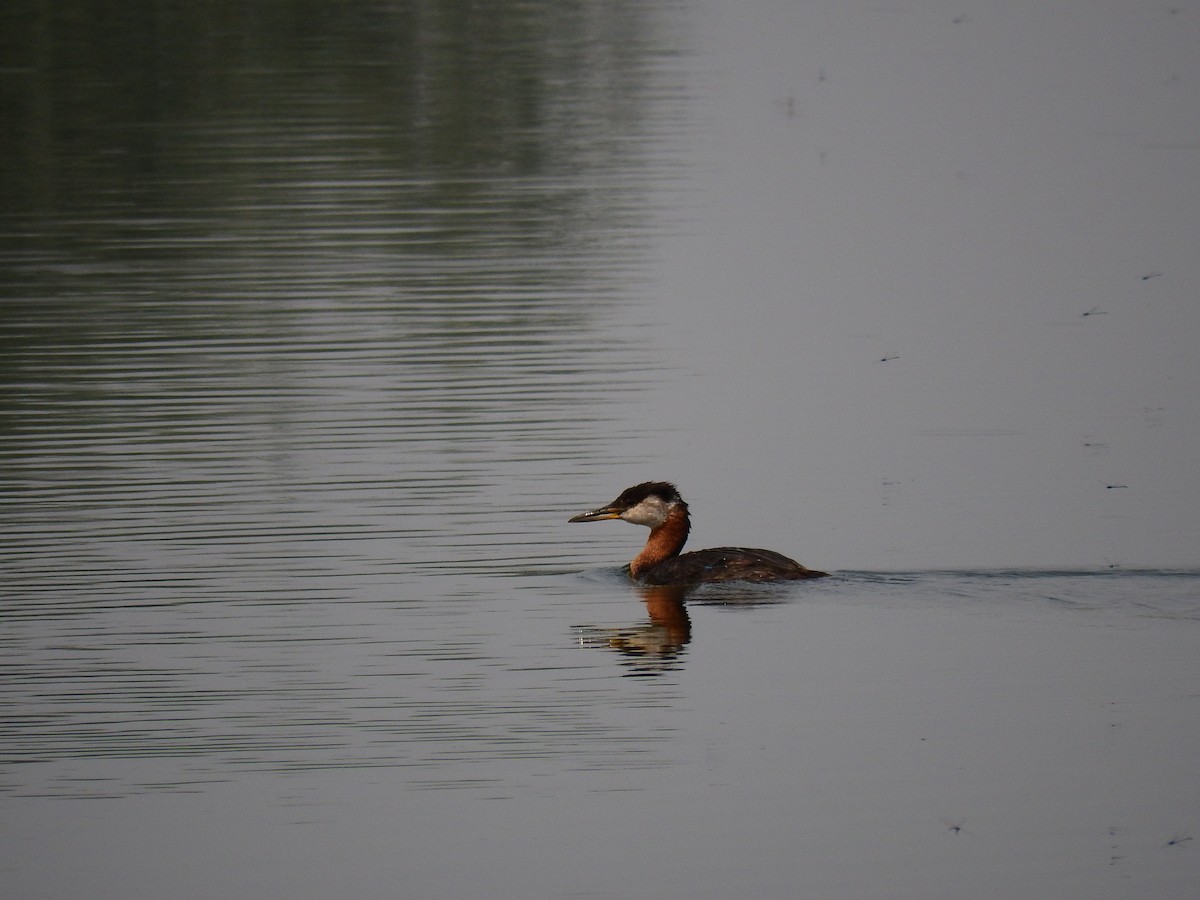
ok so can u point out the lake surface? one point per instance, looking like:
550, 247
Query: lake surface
316, 328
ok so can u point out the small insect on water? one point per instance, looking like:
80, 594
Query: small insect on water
1180, 837
954, 826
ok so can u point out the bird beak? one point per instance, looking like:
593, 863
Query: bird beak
598, 515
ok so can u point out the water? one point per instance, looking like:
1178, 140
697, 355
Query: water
548, 734
316, 330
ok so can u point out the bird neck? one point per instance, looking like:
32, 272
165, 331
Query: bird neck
665, 541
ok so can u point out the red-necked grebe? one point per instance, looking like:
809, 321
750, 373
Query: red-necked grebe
657, 505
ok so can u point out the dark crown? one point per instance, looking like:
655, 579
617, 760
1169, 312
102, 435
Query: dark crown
639, 492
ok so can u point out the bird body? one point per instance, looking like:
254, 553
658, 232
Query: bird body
658, 506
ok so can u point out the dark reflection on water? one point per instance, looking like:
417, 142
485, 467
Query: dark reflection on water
311, 258
307, 316
314, 321
656, 646
653, 647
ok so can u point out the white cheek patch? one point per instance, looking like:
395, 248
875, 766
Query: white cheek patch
651, 512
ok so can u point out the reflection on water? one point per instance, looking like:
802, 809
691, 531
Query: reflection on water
316, 323
310, 282
306, 318
655, 646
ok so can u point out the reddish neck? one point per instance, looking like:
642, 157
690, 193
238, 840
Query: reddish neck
664, 542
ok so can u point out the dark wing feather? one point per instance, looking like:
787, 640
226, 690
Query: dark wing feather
728, 564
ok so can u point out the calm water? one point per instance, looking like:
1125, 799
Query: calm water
316, 328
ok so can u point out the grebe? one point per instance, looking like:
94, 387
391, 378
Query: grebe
657, 505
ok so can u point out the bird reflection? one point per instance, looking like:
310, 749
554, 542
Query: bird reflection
657, 646
654, 646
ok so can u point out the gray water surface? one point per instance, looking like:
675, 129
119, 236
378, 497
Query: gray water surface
316, 325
